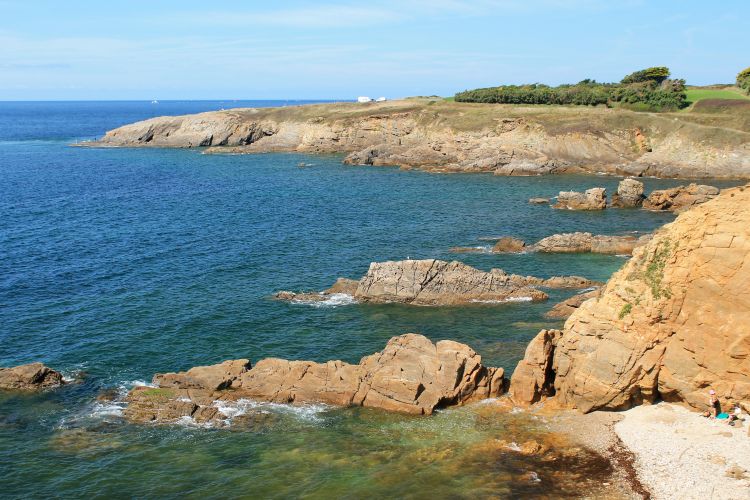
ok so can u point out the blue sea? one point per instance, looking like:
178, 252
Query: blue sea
119, 263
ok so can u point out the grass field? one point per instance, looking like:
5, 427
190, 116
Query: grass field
698, 94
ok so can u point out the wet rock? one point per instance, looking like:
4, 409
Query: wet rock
539, 201
680, 198
629, 194
562, 310
508, 244
411, 375
30, 377
591, 199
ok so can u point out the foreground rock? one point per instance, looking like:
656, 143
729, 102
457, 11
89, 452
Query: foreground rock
563, 310
439, 283
533, 378
671, 324
411, 375
591, 199
629, 194
680, 198
31, 377
443, 136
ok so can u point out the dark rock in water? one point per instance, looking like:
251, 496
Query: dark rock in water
411, 375
509, 244
34, 376
539, 201
629, 194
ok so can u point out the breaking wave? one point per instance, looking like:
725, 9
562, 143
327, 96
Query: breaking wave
333, 300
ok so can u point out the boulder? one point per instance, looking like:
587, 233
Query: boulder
411, 375
343, 285
629, 194
591, 199
533, 378
508, 244
671, 323
30, 377
679, 198
562, 310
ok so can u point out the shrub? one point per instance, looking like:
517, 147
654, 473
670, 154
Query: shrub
657, 74
743, 80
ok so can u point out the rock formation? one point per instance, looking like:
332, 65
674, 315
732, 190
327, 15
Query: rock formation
439, 283
509, 244
672, 323
457, 137
629, 194
680, 198
586, 242
34, 376
411, 375
533, 378
591, 199
343, 286
539, 201
562, 310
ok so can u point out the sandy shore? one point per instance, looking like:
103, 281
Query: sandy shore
680, 454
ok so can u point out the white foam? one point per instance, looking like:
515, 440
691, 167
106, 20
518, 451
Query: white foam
589, 289
107, 409
307, 412
333, 300
504, 301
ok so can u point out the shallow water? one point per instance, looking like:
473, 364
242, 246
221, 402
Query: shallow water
118, 263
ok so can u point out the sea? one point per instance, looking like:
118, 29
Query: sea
116, 264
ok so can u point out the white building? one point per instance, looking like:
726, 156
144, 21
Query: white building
363, 99
380, 99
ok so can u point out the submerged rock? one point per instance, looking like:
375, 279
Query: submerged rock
539, 201
591, 199
30, 377
681, 197
629, 194
669, 325
411, 375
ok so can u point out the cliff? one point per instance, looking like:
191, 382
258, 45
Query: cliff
672, 323
459, 137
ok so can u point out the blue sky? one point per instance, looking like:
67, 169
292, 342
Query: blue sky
337, 49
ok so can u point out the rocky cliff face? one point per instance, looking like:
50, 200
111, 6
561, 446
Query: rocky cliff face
411, 375
459, 137
672, 323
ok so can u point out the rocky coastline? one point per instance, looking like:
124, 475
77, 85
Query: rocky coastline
441, 136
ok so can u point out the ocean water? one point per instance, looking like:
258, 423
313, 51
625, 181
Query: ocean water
119, 263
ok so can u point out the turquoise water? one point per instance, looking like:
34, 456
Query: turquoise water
118, 263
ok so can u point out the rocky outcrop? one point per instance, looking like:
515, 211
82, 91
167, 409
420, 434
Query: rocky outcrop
587, 242
30, 377
539, 201
411, 375
591, 199
533, 378
562, 310
433, 282
343, 286
458, 137
672, 323
509, 244
680, 198
629, 194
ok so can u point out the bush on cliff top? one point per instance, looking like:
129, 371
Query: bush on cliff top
648, 89
743, 80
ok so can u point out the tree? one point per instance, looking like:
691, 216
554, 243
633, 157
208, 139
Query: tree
656, 74
743, 80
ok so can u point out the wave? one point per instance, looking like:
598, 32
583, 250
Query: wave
333, 300
504, 301
310, 412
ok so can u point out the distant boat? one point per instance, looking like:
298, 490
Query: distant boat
154, 102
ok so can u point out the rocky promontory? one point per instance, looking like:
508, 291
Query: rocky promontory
432, 282
670, 325
411, 375
444, 136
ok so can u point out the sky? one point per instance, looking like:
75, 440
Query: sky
335, 49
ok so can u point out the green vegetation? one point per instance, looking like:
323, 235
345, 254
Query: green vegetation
743, 80
626, 309
698, 94
645, 90
158, 393
654, 273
